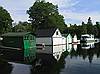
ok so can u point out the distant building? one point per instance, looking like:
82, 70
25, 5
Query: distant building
75, 39
68, 38
87, 38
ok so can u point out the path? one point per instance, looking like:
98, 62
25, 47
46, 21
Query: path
20, 68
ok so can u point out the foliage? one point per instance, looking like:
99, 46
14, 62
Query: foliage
22, 27
44, 14
84, 28
5, 21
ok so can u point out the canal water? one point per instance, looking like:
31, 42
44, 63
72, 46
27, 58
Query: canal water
78, 59
84, 60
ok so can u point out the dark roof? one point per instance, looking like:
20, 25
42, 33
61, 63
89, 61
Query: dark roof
15, 34
45, 32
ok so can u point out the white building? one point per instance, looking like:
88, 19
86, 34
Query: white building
75, 39
49, 38
69, 39
87, 38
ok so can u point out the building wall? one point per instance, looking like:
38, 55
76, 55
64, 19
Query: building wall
44, 40
54, 43
57, 42
15, 42
75, 38
57, 38
29, 47
69, 39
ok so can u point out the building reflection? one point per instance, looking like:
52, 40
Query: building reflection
80, 51
74, 51
75, 47
87, 45
56, 59
69, 47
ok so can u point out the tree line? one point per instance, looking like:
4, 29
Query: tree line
43, 14
84, 28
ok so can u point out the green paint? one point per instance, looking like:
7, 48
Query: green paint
29, 47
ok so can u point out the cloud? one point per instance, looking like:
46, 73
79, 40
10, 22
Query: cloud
63, 3
17, 8
79, 17
74, 11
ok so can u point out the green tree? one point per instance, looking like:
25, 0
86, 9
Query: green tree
90, 26
84, 28
22, 27
44, 14
97, 26
5, 21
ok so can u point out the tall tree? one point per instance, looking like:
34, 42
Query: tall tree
22, 27
44, 14
84, 28
89, 26
97, 26
5, 21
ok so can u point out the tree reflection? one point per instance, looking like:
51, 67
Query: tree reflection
86, 53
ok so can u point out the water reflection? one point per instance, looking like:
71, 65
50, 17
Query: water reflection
83, 61
87, 45
76, 60
56, 60
69, 47
79, 51
75, 47
57, 55
57, 51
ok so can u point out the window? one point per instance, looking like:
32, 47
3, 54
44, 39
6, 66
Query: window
26, 38
57, 33
31, 38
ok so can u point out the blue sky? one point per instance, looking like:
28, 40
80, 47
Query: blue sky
74, 11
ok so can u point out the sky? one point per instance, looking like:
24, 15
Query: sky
74, 11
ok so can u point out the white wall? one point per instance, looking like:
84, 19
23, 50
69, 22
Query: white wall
57, 49
69, 39
59, 34
45, 40
57, 39
75, 38
57, 42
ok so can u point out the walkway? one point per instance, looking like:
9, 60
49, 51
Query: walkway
20, 68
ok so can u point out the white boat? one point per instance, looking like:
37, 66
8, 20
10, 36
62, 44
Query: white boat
87, 38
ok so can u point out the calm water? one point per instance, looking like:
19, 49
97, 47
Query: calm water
78, 59
84, 60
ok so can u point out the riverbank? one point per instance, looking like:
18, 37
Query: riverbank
5, 67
